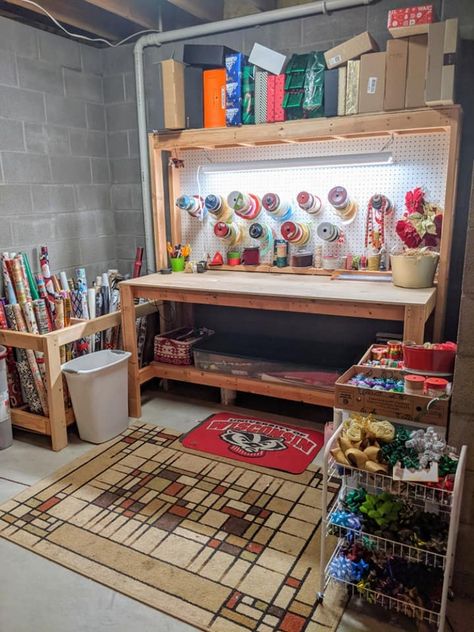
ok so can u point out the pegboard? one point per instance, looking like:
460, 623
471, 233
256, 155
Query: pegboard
418, 160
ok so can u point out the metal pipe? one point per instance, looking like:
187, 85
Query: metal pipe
201, 30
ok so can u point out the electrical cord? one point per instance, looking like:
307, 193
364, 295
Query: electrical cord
85, 37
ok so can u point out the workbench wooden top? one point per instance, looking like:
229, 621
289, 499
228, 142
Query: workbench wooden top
294, 286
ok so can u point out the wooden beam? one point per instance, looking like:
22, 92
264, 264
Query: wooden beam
208, 10
78, 15
142, 12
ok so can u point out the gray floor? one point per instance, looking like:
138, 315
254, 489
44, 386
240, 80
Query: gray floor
37, 595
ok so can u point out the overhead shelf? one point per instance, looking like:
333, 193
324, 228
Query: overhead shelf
420, 121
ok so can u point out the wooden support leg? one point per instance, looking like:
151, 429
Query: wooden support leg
54, 383
130, 343
414, 323
228, 396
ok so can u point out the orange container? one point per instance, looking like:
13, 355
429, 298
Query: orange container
214, 97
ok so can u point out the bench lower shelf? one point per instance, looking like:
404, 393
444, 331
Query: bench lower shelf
308, 395
36, 423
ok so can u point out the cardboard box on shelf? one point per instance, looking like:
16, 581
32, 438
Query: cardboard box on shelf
214, 97
352, 87
353, 48
341, 91
395, 74
416, 71
441, 63
267, 59
173, 94
410, 21
419, 408
193, 105
372, 82
207, 56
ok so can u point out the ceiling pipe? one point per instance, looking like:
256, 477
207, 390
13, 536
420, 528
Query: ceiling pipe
201, 30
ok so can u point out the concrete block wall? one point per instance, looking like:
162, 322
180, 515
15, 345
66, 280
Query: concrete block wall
54, 167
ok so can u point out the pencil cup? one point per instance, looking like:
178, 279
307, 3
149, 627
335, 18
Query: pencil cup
177, 264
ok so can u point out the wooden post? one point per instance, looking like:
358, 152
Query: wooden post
158, 204
130, 343
54, 384
414, 323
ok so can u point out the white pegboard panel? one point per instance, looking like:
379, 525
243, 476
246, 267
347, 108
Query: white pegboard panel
418, 160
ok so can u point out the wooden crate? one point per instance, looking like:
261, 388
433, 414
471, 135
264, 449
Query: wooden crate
55, 425
419, 408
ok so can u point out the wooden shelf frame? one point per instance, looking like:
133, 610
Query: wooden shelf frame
55, 425
384, 124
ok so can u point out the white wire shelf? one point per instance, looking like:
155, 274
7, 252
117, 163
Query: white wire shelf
391, 547
418, 493
391, 603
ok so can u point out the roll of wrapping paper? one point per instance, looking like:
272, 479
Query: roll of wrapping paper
24, 276
48, 283
265, 235
32, 328
309, 203
84, 307
218, 208
59, 324
42, 316
296, 233
230, 233
81, 279
13, 379
193, 205
246, 205
278, 209
16, 273
91, 306
32, 362
29, 276
64, 281
137, 266
7, 282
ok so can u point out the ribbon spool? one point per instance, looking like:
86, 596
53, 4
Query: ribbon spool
296, 233
265, 235
309, 203
230, 233
329, 232
379, 209
246, 205
193, 205
281, 211
218, 208
343, 206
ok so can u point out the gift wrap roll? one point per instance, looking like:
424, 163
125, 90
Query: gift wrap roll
264, 234
296, 233
218, 208
193, 205
246, 205
309, 203
329, 232
230, 233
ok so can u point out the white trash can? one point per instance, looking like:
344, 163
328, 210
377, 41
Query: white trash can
6, 438
99, 392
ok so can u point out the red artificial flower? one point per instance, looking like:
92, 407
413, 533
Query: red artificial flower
430, 240
414, 201
438, 220
408, 234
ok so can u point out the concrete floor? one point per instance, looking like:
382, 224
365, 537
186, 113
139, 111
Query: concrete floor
38, 595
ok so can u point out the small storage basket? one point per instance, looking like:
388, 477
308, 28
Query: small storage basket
176, 346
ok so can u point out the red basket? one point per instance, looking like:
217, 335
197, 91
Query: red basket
176, 346
420, 358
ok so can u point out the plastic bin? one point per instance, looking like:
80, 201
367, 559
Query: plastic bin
6, 437
99, 392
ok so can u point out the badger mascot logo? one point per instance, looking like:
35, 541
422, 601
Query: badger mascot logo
252, 444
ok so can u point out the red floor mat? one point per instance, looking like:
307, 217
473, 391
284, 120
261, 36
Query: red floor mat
258, 441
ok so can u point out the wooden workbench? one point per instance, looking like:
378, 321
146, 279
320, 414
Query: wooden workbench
267, 291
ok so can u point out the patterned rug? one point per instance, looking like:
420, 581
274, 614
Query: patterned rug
222, 547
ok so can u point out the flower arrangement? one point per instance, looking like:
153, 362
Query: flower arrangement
421, 223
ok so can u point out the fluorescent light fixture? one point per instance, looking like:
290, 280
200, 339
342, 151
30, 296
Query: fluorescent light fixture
343, 160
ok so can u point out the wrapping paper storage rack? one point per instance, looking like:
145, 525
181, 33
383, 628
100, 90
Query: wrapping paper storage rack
55, 425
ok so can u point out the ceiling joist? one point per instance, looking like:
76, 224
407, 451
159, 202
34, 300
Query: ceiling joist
142, 12
207, 10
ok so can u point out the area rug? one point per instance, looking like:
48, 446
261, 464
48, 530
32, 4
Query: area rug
252, 440
224, 548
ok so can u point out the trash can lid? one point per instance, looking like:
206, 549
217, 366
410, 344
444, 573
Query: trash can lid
3, 352
96, 361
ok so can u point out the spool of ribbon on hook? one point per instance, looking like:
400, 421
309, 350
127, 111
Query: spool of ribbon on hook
246, 205
343, 206
278, 209
379, 209
265, 236
296, 233
230, 233
330, 232
218, 208
192, 204
309, 203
